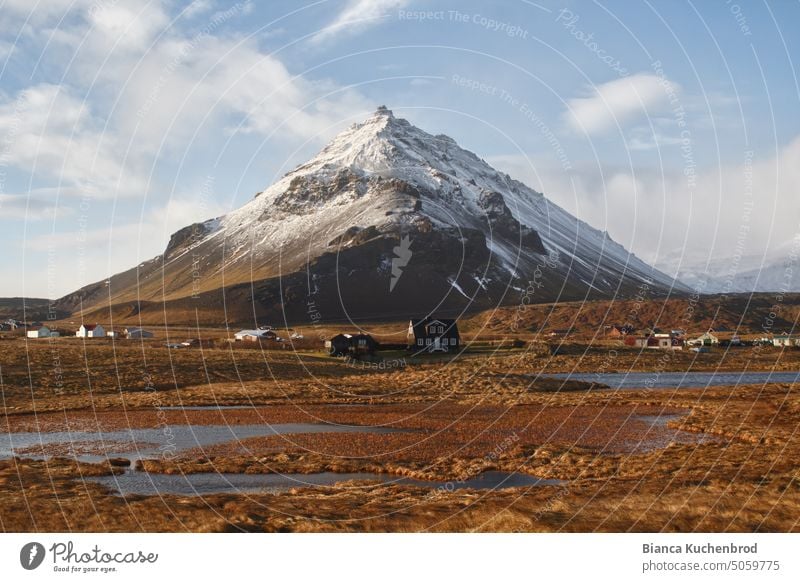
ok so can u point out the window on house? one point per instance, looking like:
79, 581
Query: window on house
428, 341
453, 341
419, 342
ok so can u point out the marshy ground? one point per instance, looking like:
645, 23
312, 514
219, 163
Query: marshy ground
713, 459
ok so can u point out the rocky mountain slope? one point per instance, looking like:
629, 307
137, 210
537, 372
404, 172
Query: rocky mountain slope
387, 221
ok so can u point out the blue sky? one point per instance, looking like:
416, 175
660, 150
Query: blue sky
672, 125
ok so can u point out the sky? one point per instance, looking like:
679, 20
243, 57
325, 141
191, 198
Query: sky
672, 125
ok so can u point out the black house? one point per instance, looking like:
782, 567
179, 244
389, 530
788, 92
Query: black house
346, 344
433, 335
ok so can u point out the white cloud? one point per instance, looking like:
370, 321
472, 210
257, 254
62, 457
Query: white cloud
619, 101
654, 213
151, 95
215, 84
198, 7
179, 212
41, 12
152, 232
130, 25
357, 16
30, 208
52, 135
6, 48
647, 138
83, 257
166, 85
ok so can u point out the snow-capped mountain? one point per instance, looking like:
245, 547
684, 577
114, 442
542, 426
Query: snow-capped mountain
773, 271
386, 221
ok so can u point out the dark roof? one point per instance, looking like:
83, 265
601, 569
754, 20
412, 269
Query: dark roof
419, 325
432, 319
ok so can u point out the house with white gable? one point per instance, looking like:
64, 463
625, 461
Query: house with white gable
253, 335
433, 335
91, 330
707, 339
43, 331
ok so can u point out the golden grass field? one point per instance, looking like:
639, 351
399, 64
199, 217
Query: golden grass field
726, 460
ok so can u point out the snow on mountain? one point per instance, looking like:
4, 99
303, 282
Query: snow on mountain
328, 229
349, 172
771, 272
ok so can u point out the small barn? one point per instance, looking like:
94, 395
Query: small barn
338, 345
92, 330
351, 344
433, 334
641, 341
363, 343
137, 333
42, 331
659, 342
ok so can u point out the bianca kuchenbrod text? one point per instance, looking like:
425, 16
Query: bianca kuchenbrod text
707, 548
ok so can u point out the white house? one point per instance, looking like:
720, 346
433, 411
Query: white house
43, 331
783, 341
137, 333
254, 335
112, 334
707, 339
94, 330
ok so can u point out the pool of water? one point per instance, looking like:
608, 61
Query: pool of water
663, 380
145, 443
141, 483
660, 436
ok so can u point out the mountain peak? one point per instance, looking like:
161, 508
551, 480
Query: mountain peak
383, 111
384, 123
328, 229
371, 145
